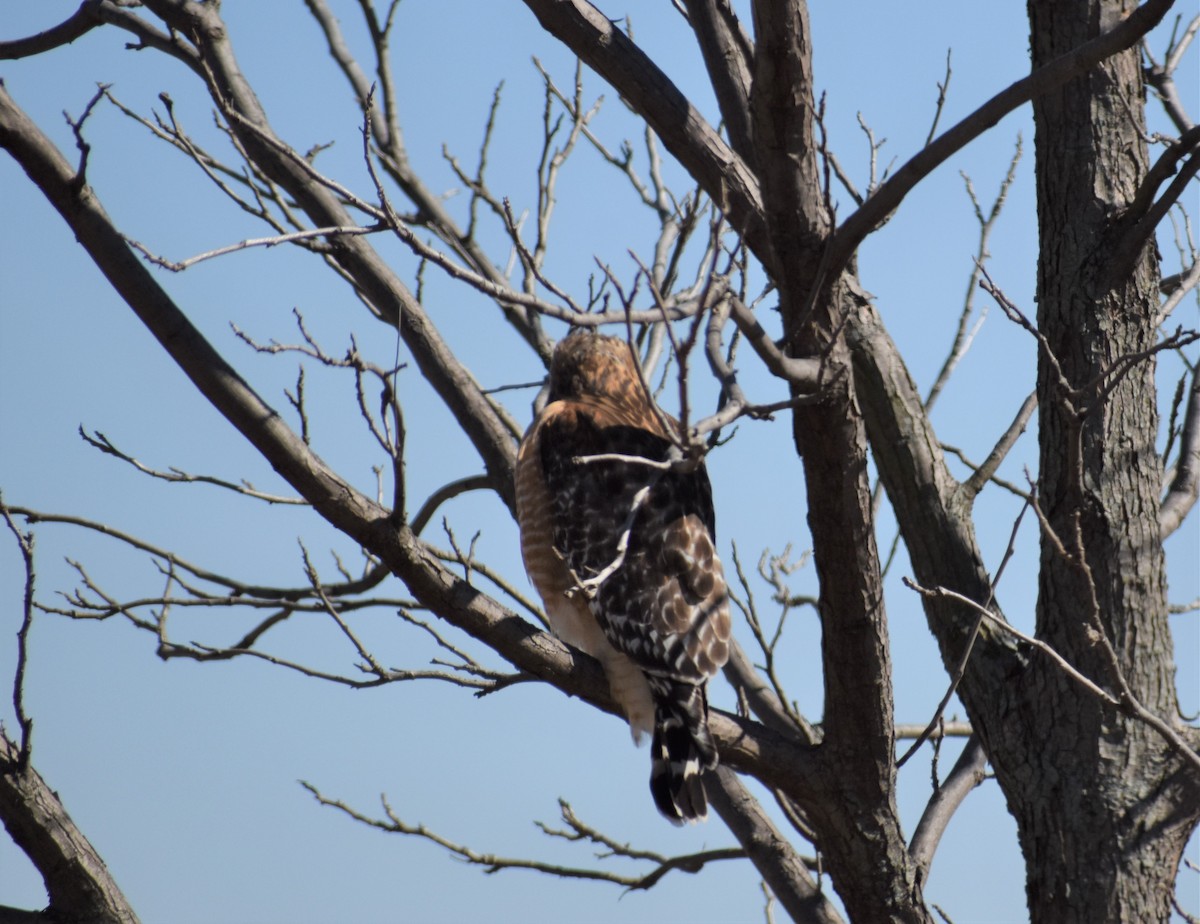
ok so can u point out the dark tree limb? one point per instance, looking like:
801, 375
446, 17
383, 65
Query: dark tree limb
78, 24
770, 852
90, 15
24, 722
861, 840
1148, 208
931, 511
77, 881
729, 56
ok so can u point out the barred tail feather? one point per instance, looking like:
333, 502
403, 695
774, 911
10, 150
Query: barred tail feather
680, 751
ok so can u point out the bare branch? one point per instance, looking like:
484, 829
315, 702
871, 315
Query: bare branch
944, 730
1126, 703
727, 179
383, 125
77, 882
311, 573
1185, 486
354, 514
102, 442
965, 335
78, 24
987, 471
445, 493
92, 13
803, 373
291, 237
767, 646
24, 722
968, 772
1180, 285
1162, 76
941, 101
240, 590
493, 863
853, 230
781, 867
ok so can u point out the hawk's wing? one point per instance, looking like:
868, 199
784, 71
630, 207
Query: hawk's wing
639, 540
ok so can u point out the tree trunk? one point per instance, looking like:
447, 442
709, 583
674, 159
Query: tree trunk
1102, 805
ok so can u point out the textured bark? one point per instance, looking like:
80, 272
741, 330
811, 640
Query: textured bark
1103, 808
781, 867
77, 881
857, 819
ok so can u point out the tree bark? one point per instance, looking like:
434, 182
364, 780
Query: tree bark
77, 881
857, 820
1103, 806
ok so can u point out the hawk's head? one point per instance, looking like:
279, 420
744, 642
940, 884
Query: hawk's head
587, 364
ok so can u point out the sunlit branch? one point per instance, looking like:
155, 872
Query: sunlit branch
1185, 486
987, 470
1162, 76
291, 237
944, 729
967, 773
1181, 285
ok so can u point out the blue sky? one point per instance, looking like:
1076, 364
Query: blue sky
185, 775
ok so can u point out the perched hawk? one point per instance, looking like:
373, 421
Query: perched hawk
622, 555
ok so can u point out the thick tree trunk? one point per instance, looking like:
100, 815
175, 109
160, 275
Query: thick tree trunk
1102, 806
857, 820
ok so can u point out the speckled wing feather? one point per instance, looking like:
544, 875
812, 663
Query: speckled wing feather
658, 605
662, 599
621, 550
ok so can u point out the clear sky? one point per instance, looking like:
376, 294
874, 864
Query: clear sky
184, 775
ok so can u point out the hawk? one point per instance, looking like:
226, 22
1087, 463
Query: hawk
620, 546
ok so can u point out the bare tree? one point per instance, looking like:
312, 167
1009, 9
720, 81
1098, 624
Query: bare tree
1078, 720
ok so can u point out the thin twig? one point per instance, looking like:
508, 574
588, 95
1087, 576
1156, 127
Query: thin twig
492, 863
960, 669
1126, 704
25, 543
99, 441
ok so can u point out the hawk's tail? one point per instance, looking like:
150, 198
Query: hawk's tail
681, 750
